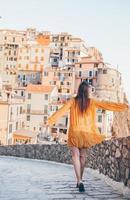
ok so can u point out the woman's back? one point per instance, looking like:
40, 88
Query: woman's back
80, 120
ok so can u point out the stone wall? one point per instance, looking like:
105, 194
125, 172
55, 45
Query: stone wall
111, 157
52, 152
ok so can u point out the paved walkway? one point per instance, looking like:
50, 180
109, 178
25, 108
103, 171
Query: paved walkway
27, 179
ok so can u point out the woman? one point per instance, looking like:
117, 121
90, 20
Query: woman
83, 133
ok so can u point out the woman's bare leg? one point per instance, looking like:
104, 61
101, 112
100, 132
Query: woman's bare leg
82, 161
76, 162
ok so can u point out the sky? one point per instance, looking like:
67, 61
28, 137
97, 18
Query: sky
101, 23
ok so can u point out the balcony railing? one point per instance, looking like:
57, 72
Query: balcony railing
38, 112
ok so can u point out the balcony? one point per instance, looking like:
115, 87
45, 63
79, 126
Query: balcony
59, 126
38, 112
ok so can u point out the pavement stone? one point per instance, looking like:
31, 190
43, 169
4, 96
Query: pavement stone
28, 179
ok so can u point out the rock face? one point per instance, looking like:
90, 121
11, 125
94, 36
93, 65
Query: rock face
121, 124
111, 157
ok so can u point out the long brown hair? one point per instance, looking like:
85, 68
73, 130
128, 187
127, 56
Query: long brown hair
82, 98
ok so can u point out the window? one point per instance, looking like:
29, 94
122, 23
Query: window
45, 109
55, 59
99, 118
28, 117
20, 111
46, 96
62, 83
56, 108
45, 118
19, 65
95, 64
45, 73
24, 77
99, 71
80, 73
22, 93
10, 128
90, 81
66, 121
80, 65
90, 73
62, 38
105, 71
27, 66
28, 108
23, 125
29, 95
93, 89
9, 52
16, 125
112, 80
13, 39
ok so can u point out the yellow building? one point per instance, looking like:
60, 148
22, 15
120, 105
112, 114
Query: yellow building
12, 117
33, 58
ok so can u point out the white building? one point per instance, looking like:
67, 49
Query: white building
66, 49
39, 99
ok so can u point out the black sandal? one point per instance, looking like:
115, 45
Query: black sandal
81, 187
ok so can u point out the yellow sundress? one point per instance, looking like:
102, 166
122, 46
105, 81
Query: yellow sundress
83, 132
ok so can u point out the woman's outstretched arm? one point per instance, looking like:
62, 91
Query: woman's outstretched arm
55, 116
112, 106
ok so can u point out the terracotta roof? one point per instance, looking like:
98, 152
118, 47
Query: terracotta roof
39, 88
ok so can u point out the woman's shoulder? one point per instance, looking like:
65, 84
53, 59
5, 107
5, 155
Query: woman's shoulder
92, 100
